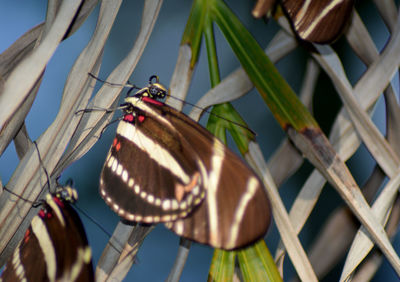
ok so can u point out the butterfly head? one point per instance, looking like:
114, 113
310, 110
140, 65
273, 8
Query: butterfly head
155, 90
135, 107
66, 193
55, 202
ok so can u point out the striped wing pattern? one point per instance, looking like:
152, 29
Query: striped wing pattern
54, 248
319, 21
236, 209
151, 174
232, 208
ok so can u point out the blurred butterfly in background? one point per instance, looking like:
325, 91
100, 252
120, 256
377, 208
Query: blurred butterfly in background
55, 246
318, 21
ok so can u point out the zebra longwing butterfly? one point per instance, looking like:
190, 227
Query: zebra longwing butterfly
55, 247
165, 167
319, 21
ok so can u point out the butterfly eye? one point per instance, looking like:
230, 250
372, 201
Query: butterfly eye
157, 91
153, 90
63, 194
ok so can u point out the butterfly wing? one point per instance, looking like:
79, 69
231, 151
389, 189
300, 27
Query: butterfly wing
54, 248
151, 174
319, 21
235, 211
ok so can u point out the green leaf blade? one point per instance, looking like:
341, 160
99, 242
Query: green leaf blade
222, 266
257, 264
277, 94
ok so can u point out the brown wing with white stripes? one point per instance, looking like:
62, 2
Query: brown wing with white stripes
54, 248
235, 211
151, 174
319, 21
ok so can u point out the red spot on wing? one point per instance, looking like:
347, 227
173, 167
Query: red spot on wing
128, 118
118, 146
42, 214
141, 118
114, 142
27, 235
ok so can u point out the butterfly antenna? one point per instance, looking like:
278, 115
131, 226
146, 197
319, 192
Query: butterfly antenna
81, 211
19, 196
42, 164
35, 204
110, 110
156, 78
92, 220
128, 85
114, 84
108, 124
216, 115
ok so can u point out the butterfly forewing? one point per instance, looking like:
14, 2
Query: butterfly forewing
22, 259
152, 174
